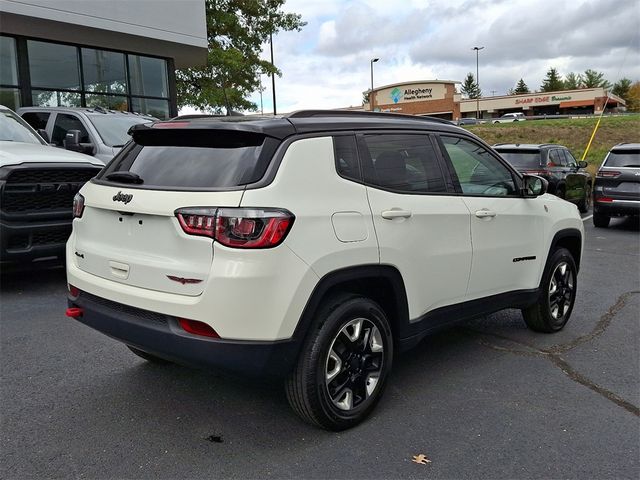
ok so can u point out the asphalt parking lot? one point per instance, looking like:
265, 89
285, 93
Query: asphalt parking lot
488, 399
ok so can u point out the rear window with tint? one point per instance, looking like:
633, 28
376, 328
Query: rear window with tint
521, 158
623, 158
195, 159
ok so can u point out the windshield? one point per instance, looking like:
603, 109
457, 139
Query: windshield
14, 129
521, 158
626, 158
113, 129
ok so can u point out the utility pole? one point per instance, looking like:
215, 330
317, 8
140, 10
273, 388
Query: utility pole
477, 49
373, 60
273, 75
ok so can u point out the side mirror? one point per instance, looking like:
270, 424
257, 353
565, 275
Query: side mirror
533, 186
45, 136
72, 142
582, 164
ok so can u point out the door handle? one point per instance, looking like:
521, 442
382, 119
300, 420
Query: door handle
484, 213
395, 213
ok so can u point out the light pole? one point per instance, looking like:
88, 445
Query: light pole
373, 60
477, 49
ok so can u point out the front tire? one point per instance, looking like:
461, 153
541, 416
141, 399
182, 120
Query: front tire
344, 364
585, 202
557, 294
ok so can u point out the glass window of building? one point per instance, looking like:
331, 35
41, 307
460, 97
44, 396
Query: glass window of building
153, 107
53, 66
8, 61
110, 102
104, 72
148, 76
49, 98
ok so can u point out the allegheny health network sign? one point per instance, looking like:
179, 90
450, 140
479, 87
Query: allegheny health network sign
411, 93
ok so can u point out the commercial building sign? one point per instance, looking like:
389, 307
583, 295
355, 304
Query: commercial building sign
543, 99
411, 93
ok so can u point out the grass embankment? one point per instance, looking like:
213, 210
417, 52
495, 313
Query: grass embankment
573, 133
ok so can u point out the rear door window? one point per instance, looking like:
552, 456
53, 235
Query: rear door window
556, 159
194, 159
38, 120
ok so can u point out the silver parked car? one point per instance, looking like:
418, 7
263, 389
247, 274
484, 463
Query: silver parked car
100, 132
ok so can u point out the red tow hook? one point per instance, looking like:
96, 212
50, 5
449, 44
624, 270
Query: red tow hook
74, 312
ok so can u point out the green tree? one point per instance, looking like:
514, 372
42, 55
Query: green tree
552, 82
633, 97
621, 88
470, 87
572, 81
521, 87
236, 32
593, 79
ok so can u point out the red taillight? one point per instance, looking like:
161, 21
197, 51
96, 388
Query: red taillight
608, 174
604, 199
197, 328
73, 291
78, 205
238, 227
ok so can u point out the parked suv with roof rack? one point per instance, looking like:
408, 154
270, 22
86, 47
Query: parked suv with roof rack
567, 177
312, 247
94, 131
37, 186
617, 186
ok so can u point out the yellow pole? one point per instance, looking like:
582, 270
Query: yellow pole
595, 129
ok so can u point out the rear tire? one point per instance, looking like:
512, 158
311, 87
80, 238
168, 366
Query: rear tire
600, 220
148, 356
343, 365
585, 203
557, 294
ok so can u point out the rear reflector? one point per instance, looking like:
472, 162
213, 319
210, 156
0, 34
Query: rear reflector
73, 291
604, 199
74, 312
607, 174
197, 328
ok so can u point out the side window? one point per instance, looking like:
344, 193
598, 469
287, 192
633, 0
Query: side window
571, 161
65, 122
38, 120
479, 173
403, 163
556, 159
346, 155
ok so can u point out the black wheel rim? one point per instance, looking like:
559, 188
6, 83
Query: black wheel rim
561, 291
354, 364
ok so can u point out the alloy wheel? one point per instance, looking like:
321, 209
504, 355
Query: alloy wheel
561, 291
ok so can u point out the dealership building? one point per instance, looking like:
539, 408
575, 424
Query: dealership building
113, 54
439, 98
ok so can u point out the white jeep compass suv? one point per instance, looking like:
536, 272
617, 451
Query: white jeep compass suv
312, 247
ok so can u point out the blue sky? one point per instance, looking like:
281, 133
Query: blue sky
326, 65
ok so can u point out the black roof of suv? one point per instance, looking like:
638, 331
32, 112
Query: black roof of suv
306, 121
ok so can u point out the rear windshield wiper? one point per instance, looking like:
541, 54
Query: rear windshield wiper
125, 177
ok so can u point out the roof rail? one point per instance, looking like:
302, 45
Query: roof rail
347, 113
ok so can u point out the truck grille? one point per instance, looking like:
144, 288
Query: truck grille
43, 190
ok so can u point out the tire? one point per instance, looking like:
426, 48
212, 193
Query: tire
600, 220
344, 364
557, 294
148, 356
585, 203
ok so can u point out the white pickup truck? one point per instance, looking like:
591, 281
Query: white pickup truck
510, 117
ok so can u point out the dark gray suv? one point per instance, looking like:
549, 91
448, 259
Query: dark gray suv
567, 177
617, 185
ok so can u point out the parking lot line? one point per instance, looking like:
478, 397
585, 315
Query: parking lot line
584, 219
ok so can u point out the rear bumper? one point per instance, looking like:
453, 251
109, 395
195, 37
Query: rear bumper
617, 207
161, 335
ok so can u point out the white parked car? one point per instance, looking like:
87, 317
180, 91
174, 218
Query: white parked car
37, 186
313, 247
510, 117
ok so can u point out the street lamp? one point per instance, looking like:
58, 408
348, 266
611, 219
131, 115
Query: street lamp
373, 60
477, 49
